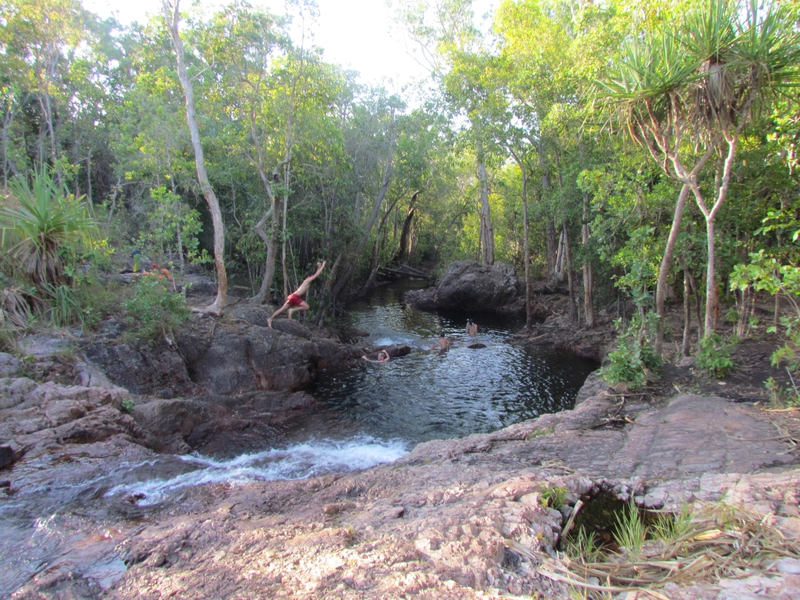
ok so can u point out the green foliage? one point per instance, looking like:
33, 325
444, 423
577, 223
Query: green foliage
630, 531
640, 259
584, 545
554, 497
767, 273
670, 527
65, 309
172, 227
46, 227
154, 311
782, 396
713, 357
98, 300
634, 361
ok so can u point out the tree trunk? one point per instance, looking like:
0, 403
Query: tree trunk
172, 16
552, 249
347, 273
550, 226
588, 275
374, 262
573, 306
526, 248
663, 272
687, 312
284, 224
526, 241
711, 281
402, 250
486, 231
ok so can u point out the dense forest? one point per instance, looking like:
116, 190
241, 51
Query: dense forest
636, 150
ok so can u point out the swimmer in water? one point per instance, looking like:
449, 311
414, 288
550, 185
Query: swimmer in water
472, 331
383, 358
442, 343
294, 302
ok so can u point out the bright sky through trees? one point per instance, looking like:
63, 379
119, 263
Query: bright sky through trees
357, 34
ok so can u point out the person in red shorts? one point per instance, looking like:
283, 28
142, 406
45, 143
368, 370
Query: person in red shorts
294, 302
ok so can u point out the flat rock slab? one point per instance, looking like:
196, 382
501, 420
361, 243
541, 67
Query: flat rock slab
686, 438
695, 435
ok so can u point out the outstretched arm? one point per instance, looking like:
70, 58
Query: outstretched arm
319, 269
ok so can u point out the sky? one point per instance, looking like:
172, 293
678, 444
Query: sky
356, 34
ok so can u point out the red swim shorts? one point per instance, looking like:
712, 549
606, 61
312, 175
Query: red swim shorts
294, 300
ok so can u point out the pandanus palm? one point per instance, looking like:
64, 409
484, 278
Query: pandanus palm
686, 97
46, 221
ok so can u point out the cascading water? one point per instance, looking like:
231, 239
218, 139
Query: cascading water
78, 505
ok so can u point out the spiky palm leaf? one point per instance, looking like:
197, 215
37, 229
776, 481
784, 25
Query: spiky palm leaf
46, 220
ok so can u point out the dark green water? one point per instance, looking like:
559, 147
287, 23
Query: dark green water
444, 394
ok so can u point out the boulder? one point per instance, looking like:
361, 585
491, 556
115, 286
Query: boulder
470, 286
141, 371
170, 422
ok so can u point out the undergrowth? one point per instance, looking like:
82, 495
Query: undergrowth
696, 544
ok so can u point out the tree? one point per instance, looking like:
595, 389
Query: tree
687, 97
172, 17
451, 44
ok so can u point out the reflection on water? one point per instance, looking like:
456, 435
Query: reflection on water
434, 394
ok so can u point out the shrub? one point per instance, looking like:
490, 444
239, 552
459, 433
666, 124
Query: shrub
44, 225
713, 357
634, 361
154, 311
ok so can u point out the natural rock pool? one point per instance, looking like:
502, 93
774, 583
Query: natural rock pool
370, 413
434, 394
68, 510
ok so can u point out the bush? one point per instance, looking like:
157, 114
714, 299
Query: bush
154, 311
47, 224
713, 357
634, 361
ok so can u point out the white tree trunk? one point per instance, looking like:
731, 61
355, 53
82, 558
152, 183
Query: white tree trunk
172, 16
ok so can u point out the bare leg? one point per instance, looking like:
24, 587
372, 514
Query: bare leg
303, 306
277, 312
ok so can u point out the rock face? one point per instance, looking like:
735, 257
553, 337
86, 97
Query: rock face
235, 355
464, 518
469, 286
158, 371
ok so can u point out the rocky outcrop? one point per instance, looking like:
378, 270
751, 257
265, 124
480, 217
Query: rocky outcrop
452, 519
467, 518
36, 415
158, 371
469, 286
234, 355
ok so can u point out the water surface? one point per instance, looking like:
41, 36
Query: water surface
434, 394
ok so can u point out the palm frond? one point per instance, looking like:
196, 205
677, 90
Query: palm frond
46, 220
